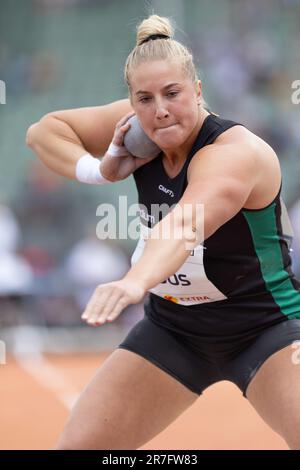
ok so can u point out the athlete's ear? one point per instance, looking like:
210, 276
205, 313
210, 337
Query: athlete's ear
198, 88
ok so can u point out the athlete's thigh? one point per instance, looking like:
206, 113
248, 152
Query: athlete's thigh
128, 402
274, 392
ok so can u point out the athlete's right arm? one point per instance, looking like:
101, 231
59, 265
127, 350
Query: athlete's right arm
60, 138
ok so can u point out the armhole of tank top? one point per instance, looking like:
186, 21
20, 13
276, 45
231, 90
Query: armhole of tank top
270, 204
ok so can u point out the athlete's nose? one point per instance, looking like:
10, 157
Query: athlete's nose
161, 111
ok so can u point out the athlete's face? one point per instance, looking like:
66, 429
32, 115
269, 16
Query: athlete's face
166, 102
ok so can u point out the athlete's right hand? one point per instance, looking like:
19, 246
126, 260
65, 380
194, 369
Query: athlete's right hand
110, 299
118, 168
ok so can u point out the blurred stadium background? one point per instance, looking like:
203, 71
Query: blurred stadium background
59, 54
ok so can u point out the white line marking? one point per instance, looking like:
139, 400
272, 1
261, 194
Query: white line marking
27, 352
50, 377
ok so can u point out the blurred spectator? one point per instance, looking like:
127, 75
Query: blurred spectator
16, 276
92, 262
10, 233
40, 260
15, 273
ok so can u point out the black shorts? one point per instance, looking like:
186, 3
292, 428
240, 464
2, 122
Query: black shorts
196, 364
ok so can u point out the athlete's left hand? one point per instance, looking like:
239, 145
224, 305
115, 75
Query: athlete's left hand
108, 301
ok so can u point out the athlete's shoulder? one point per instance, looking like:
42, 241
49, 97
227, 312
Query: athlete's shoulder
241, 137
235, 147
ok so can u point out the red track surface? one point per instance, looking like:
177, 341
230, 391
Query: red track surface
32, 415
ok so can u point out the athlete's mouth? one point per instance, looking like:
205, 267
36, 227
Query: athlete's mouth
167, 127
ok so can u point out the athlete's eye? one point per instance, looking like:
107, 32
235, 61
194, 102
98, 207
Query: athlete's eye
173, 93
145, 99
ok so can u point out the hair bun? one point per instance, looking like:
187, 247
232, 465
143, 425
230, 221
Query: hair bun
154, 27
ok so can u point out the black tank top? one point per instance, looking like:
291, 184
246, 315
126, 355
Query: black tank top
244, 265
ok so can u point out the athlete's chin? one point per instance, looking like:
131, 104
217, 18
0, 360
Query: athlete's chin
171, 145
168, 139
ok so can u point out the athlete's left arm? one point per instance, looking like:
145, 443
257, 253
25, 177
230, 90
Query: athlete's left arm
220, 179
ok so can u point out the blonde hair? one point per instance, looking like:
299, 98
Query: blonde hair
158, 49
